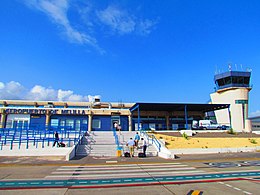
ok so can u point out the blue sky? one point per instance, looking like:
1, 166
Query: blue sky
126, 50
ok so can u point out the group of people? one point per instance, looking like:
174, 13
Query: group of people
134, 143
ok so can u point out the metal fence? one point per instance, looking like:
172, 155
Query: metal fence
10, 137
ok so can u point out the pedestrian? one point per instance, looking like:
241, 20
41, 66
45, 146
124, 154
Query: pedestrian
131, 145
119, 128
56, 140
115, 126
144, 146
137, 138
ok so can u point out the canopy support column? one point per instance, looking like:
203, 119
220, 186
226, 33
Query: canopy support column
186, 117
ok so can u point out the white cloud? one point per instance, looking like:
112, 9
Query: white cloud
2, 85
81, 30
41, 93
15, 91
254, 114
11, 90
118, 20
145, 27
122, 22
57, 11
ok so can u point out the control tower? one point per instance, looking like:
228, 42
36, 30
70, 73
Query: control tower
233, 88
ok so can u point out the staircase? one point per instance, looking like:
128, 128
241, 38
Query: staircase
99, 143
102, 143
84, 148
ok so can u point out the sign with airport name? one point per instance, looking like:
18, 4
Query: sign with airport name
241, 101
45, 111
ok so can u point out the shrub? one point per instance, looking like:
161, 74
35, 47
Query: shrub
253, 141
185, 136
231, 131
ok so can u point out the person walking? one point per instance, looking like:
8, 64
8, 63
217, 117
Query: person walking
115, 126
119, 129
131, 145
56, 140
137, 138
144, 146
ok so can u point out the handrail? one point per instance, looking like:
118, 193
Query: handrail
116, 139
154, 139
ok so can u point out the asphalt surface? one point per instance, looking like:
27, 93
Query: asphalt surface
15, 170
9, 161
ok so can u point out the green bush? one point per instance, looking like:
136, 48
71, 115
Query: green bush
253, 141
231, 131
185, 136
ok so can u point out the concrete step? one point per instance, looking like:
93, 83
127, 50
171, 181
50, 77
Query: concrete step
103, 144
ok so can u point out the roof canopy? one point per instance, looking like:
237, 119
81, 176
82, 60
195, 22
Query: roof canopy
177, 107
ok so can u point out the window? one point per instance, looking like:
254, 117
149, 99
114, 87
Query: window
77, 127
9, 124
70, 123
96, 123
62, 122
220, 82
54, 122
246, 80
227, 80
84, 122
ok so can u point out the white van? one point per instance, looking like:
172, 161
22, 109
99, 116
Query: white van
208, 124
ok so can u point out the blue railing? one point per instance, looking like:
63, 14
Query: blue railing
116, 140
153, 138
9, 136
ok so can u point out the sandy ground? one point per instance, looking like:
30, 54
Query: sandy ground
210, 140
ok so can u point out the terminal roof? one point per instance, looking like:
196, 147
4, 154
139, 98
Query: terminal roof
177, 107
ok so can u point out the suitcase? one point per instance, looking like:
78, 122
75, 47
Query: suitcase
127, 154
62, 144
141, 155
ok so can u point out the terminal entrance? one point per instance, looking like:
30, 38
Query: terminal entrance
115, 121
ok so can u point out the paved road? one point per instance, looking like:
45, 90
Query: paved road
237, 175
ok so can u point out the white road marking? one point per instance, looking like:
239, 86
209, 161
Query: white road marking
21, 183
9, 184
81, 182
121, 171
46, 183
34, 183
249, 193
59, 182
148, 179
235, 188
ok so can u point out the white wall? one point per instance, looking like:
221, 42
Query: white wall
229, 96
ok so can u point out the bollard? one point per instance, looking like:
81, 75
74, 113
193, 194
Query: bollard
119, 153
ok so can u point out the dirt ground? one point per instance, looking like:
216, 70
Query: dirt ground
174, 140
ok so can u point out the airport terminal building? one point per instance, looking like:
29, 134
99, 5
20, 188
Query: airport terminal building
229, 107
100, 116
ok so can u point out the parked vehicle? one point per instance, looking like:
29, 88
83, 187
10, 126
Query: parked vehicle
209, 124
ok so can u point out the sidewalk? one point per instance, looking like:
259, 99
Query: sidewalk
51, 161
